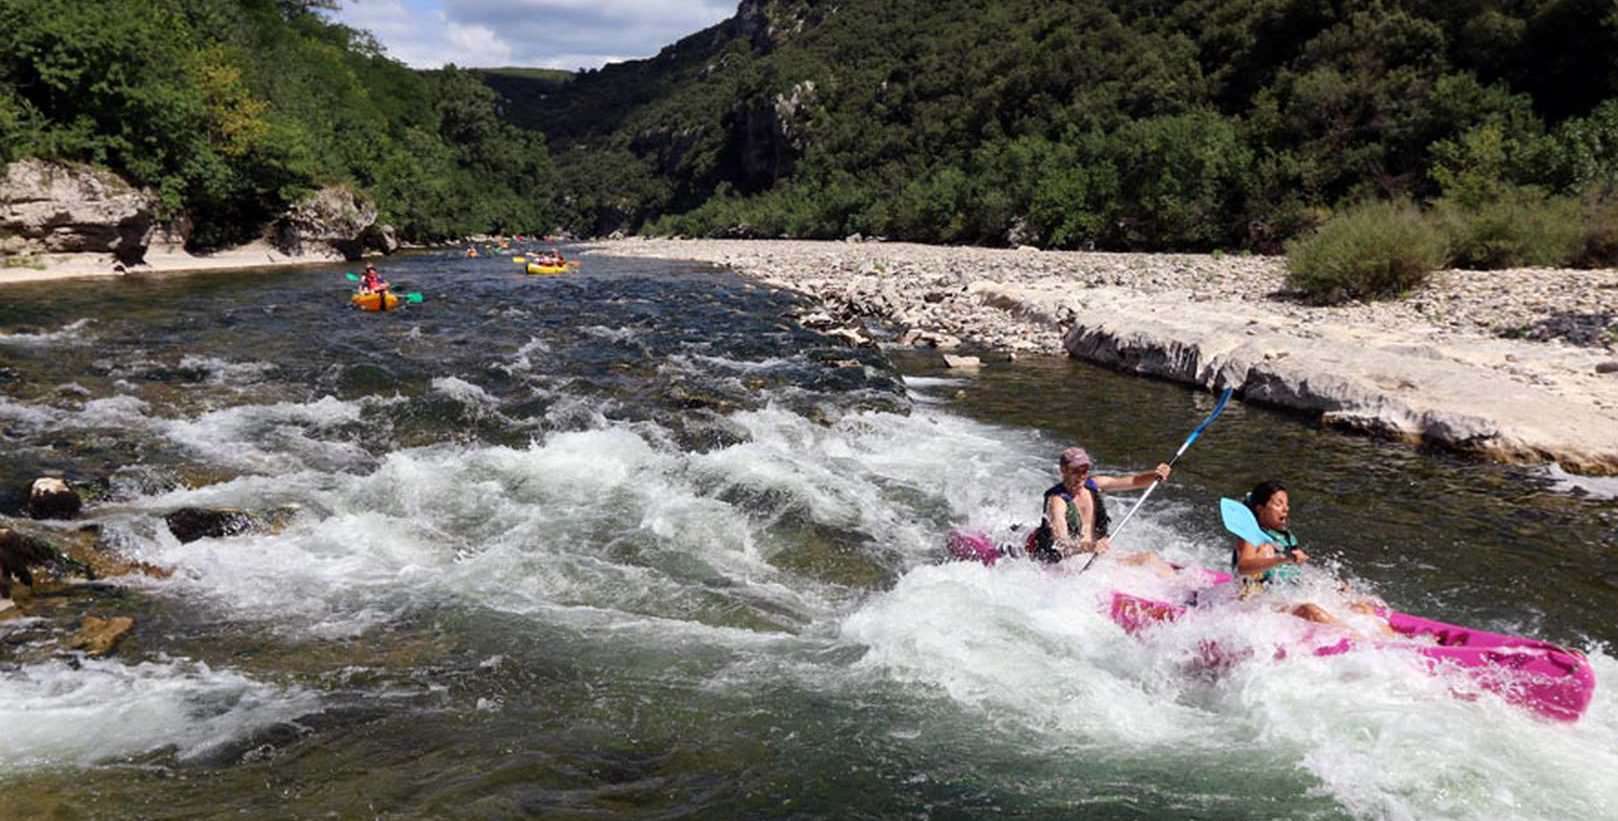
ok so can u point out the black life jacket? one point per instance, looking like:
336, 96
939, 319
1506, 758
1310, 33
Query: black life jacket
1043, 547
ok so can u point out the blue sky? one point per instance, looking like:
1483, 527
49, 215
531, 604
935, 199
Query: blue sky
567, 34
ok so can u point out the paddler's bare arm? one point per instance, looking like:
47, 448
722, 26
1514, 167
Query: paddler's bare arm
1135, 481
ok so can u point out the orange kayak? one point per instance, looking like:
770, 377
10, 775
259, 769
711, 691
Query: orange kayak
374, 301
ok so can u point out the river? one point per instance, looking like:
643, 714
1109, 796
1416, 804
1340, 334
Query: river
630, 543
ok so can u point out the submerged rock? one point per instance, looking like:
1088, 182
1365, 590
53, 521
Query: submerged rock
98, 636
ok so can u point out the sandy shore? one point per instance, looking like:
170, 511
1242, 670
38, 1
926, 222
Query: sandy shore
1509, 365
158, 261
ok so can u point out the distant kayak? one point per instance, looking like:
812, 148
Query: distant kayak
546, 270
374, 301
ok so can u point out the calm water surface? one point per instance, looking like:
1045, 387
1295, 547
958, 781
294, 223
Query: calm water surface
629, 543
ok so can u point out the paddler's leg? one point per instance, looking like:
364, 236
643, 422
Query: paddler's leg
1312, 612
1149, 559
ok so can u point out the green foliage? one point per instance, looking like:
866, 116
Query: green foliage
1185, 124
1370, 251
1599, 248
230, 110
1512, 229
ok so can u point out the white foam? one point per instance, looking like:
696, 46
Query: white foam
72, 333
56, 715
1371, 729
933, 381
464, 392
282, 437
228, 372
1596, 487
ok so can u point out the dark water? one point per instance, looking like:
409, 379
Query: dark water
629, 543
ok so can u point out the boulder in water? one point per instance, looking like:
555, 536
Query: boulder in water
52, 498
189, 524
17, 554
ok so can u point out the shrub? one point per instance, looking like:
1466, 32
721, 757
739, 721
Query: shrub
1517, 228
1378, 249
1598, 247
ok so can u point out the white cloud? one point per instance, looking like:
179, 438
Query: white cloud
565, 34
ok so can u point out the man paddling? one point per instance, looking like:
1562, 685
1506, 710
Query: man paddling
1076, 516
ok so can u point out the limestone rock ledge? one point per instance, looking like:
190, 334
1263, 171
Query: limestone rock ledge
1499, 399
54, 207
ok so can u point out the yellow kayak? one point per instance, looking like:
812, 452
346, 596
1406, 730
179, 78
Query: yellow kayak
546, 269
519, 260
374, 301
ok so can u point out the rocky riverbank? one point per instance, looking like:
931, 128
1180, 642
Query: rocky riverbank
1509, 365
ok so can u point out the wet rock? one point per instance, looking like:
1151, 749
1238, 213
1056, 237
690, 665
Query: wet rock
1610, 366
51, 498
99, 637
962, 361
188, 524
851, 337
18, 553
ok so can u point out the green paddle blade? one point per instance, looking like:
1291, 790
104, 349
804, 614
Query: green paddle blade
414, 296
1239, 521
352, 277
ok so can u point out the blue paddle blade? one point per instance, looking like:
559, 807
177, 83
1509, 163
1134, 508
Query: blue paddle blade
414, 297
352, 277
1240, 521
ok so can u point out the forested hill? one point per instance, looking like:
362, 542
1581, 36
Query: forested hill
1129, 124
233, 109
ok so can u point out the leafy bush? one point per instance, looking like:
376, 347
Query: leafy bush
1599, 247
1373, 250
1515, 229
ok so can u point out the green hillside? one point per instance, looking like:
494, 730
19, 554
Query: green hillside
1129, 125
232, 109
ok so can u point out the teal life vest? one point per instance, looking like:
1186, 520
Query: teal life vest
1279, 573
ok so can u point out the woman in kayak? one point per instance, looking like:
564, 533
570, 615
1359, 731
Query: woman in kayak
372, 282
1076, 518
1258, 566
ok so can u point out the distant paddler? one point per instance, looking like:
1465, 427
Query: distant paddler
372, 282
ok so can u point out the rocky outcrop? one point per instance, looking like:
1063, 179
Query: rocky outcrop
767, 136
382, 239
1381, 384
332, 221
51, 207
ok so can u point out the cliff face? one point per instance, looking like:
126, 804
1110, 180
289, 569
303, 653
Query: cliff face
55, 207
709, 111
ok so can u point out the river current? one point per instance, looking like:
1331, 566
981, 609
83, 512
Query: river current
630, 543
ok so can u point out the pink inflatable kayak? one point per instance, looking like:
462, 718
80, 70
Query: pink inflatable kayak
1550, 680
